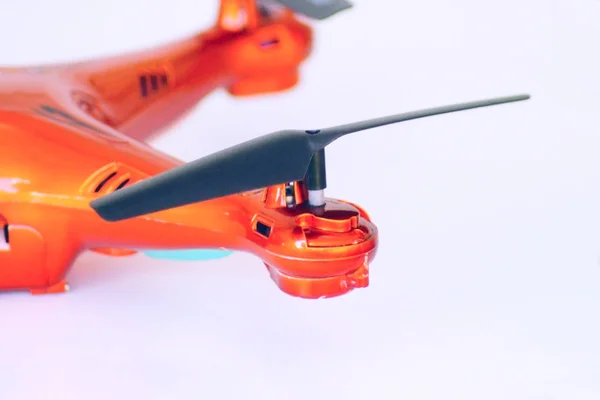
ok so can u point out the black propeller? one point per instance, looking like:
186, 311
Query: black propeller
268, 160
316, 9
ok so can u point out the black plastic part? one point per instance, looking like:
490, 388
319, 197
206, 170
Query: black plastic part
263, 10
316, 9
265, 161
263, 229
290, 193
272, 159
5, 232
316, 177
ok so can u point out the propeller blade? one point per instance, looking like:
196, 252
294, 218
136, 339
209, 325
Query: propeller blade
330, 134
268, 160
316, 9
277, 157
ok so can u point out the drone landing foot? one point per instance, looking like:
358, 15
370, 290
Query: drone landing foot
320, 288
60, 287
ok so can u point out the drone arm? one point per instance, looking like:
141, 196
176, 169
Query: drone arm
141, 93
246, 52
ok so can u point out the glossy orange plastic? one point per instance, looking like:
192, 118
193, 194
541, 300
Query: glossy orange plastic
70, 133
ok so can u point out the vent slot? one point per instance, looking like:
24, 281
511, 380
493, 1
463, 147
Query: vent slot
152, 83
262, 229
107, 179
265, 44
122, 184
104, 182
144, 85
4, 239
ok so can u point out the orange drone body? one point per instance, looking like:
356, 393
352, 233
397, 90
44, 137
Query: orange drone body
74, 132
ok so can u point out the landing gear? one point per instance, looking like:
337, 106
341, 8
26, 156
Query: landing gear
320, 288
29, 262
60, 287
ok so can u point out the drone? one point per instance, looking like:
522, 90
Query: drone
77, 173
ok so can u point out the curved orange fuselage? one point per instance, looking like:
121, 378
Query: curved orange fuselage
71, 133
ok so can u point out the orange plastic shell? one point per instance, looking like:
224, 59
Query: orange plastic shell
70, 133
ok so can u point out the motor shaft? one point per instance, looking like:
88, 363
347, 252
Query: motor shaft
316, 179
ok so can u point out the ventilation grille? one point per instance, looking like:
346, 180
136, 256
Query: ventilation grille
110, 178
144, 78
152, 83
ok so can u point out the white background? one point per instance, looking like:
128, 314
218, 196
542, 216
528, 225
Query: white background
487, 282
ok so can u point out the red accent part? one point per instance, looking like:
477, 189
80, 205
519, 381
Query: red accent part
318, 288
60, 287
